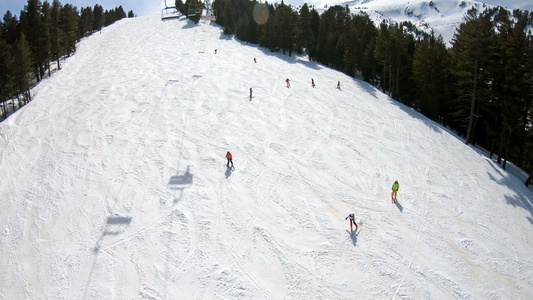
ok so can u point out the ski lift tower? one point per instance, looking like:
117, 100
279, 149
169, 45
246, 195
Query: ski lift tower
209, 13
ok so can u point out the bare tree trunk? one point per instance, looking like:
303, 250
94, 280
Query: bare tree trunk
529, 178
4, 112
390, 80
397, 74
472, 106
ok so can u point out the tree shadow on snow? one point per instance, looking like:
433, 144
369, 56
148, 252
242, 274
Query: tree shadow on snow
413, 113
278, 53
512, 178
189, 24
367, 87
519, 200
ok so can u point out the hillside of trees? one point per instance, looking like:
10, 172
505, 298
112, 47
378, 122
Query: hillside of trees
34, 44
481, 87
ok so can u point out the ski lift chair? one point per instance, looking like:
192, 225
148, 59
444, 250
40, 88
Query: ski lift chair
209, 15
170, 13
193, 11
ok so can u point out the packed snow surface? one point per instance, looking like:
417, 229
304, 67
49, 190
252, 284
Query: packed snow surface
114, 182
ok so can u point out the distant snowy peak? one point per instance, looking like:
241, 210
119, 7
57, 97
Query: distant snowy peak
441, 16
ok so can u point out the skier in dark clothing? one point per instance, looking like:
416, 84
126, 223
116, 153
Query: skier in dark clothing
352, 221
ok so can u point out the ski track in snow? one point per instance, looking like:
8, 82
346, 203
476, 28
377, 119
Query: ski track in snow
114, 184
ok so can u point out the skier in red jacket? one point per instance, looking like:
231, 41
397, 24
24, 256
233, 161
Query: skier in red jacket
229, 157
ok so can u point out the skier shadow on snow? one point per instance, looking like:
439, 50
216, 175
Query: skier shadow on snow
400, 207
353, 236
180, 182
229, 170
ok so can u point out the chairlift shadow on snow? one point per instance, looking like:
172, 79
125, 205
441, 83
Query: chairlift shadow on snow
115, 225
180, 182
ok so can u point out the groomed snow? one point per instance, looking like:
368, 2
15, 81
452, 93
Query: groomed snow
114, 185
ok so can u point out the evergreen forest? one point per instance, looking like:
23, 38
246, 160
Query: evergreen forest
33, 45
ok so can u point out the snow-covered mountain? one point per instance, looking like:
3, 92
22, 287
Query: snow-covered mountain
114, 182
441, 16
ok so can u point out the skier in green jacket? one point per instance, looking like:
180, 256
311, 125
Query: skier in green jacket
395, 188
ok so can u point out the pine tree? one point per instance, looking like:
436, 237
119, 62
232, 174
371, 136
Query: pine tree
69, 28
45, 39
267, 32
12, 28
383, 53
6, 72
430, 72
304, 37
470, 56
86, 22
330, 44
285, 18
23, 62
511, 88
315, 24
528, 146
98, 17
359, 40
230, 16
33, 29
55, 32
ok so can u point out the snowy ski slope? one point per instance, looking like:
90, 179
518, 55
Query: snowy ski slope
114, 185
